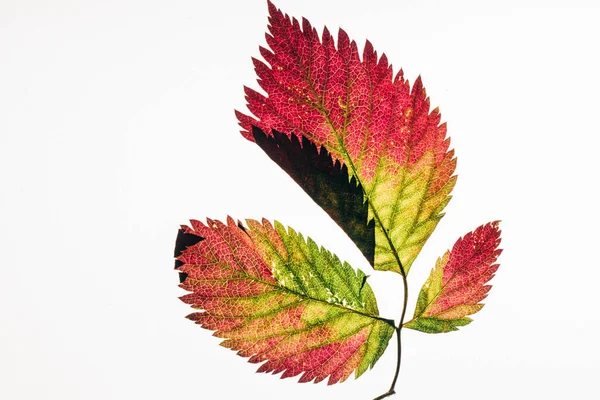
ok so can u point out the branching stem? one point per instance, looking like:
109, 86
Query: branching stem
392, 390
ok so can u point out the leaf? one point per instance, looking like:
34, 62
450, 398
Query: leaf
457, 284
325, 181
374, 124
280, 299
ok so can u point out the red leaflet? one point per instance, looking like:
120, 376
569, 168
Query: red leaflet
458, 282
370, 121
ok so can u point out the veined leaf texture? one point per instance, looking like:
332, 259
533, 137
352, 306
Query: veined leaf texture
371, 121
279, 298
367, 148
457, 284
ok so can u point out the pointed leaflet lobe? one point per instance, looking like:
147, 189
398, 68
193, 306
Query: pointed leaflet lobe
457, 284
375, 124
280, 299
325, 181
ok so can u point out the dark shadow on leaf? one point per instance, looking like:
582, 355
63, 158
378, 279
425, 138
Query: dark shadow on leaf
326, 182
183, 241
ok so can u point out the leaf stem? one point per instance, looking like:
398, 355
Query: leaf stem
398, 329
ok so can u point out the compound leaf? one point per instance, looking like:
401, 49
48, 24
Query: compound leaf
281, 300
457, 284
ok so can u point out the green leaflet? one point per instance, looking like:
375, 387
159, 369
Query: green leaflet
280, 298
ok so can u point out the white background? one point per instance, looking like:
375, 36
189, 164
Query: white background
117, 125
